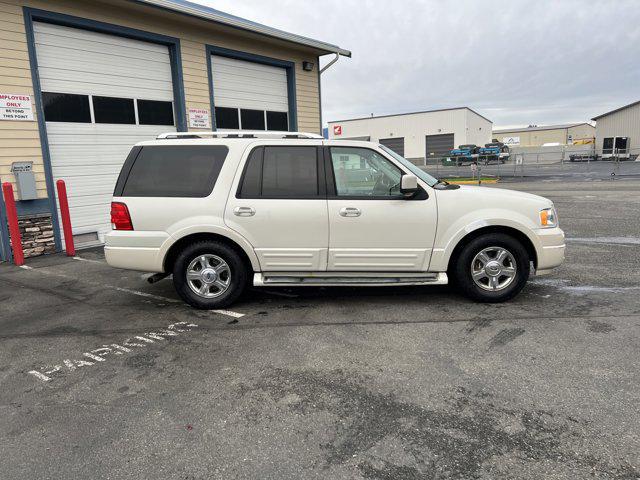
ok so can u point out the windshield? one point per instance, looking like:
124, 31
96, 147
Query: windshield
418, 172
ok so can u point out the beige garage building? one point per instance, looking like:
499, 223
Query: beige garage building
619, 129
566, 134
82, 81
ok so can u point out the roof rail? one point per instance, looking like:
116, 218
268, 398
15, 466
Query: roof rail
238, 134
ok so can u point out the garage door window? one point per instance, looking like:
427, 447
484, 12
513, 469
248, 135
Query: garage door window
114, 110
66, 107
153, 112
175, 171
227, 118
250, 119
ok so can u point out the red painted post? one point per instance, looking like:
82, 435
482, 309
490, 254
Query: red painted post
66, 218
12, 219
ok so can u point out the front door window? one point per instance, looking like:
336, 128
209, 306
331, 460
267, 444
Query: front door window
360, 172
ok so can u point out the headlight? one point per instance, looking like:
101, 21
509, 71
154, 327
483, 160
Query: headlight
548, 218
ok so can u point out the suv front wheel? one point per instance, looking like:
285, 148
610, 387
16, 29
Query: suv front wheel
209, 275
492, 268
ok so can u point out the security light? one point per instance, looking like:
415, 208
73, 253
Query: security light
307, 66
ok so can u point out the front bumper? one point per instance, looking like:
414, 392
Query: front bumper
550, 250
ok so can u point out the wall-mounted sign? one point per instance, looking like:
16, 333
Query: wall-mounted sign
337, 129
16, 107
511, 140
199, 118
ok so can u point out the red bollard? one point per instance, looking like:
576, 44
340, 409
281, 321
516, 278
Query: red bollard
12, 219
66, 218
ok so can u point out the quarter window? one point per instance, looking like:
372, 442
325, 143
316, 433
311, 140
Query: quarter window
360, 172
114, 110
66, 107
281, 172
175, 171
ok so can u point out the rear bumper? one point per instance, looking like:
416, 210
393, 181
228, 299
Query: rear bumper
135, 250
551, 250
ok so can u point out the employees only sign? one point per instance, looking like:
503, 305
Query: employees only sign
16, 107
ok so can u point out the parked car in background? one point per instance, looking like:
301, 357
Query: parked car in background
223, 211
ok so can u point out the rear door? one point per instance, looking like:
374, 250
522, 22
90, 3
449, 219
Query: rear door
278, 203
372, 226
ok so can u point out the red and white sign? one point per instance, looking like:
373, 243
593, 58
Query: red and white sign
15, 107
199, 118
337, 129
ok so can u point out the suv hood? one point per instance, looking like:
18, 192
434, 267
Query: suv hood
500, 195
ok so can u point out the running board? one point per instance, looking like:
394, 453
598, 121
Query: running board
360, 279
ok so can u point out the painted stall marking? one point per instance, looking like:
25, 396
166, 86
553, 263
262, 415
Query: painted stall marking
100, 354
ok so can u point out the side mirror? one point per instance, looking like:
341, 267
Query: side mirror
408, 184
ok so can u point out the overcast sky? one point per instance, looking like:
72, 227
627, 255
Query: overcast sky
517, 62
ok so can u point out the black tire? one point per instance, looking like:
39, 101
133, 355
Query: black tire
237, 274
461, 268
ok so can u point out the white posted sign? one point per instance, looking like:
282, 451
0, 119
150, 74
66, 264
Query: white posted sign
199, 118
511, 140
16, 107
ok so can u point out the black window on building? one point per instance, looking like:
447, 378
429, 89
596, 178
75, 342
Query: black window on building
252, 119
154, 112
227, 118
277, 121
66, 107
114, 110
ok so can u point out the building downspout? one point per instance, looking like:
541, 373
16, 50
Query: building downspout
337, 56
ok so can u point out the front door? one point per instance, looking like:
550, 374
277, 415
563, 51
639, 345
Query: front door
372, 226
279, 205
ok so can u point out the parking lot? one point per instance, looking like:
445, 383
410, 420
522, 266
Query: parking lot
105, 376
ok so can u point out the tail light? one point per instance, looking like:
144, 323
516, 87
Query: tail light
120, 218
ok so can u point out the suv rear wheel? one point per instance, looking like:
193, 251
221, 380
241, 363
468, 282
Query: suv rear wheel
209, 275
492, 268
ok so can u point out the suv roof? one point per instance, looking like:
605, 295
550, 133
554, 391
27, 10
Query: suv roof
241, 134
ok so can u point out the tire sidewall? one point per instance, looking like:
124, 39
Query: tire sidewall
462, 268
239, 274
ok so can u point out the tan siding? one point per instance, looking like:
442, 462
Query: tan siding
20, 140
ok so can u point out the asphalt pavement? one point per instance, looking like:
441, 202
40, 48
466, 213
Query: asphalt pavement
105, 376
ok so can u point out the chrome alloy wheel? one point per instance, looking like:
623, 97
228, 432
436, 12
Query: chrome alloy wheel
493, 269
208, 276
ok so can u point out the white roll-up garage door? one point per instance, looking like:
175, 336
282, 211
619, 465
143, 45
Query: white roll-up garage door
249, 95
101, 94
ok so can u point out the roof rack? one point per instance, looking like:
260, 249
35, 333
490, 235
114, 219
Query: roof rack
238, 134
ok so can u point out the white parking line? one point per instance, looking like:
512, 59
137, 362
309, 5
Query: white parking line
138, 293
89, 260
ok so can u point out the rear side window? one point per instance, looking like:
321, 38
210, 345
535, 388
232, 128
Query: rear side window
173, 171
281, 172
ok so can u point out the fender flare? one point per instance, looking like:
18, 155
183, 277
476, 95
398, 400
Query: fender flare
229, 234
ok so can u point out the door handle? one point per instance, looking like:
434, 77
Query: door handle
244, 211
350, 212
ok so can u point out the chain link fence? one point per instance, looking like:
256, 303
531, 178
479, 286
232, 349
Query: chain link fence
538, 162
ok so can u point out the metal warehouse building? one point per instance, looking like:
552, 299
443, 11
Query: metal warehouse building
565, 134
82, 81
622, 123
418, 135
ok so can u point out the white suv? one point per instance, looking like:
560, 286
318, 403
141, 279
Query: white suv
220, 211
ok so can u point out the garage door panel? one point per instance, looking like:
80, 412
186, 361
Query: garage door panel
89, 156
250, 85
58, 34
438, 145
